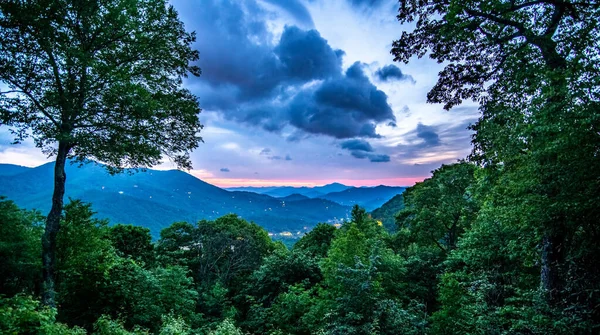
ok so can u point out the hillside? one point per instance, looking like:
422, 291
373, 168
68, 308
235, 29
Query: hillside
10, 170
294, 197
367, 197
155, 199
387, 212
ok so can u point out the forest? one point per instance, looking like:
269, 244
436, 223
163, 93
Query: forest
502, 242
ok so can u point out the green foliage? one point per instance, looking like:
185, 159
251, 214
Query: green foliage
525, 266
142, 297
79, 86
107, 326
133, 241
283, 275
20, 249
316, 243
23, 315
226, 250
174, 326
388, 211
439, 209
227, 327
85, 256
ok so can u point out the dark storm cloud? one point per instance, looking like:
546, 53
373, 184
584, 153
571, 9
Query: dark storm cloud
235, 52
296, 9
392, 72
306, 55
224, 170
379, 158
342, 107
375, 158
254, 81
360, 145
428, 134
359, 154
362, 149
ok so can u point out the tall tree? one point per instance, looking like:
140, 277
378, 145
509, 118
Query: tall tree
440, 208
100, 80
532, 66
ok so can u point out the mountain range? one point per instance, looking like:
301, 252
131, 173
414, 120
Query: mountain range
284, 191
155, 199
368, 197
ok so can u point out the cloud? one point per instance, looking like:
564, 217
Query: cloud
276, 158
379, 158
296, 9
342, 107
224, 170
265, 151
441, 143
362, 149
294, 81
359, 154
375, 158
288, 158
356, 144
428, 135
392, 72
305, 55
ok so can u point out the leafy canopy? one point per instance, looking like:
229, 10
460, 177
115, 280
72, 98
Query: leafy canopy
103, 78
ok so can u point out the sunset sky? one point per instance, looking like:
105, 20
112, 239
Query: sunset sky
305, 92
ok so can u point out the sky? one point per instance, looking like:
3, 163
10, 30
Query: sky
305, 92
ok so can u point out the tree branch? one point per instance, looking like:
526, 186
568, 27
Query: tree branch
34, 101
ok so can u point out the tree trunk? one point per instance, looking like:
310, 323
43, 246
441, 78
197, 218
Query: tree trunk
52, 228
549, 275
553, 240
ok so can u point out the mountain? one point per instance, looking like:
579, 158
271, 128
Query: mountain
387, 212
10, 170
367, 197
155, 199
294, 197
284, 191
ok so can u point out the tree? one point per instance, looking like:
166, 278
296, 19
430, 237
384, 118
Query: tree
100, 80
84, 257
23, 315
132, 241
20, 249
532, 66
439, 209
317, 242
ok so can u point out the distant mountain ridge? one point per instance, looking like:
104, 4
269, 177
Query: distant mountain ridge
368, 197
156, 199
11, 170
284, 191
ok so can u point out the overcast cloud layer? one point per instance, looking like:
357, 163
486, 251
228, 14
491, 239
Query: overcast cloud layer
305, 92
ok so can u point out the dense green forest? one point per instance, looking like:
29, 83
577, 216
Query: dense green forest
505, 242
448, 269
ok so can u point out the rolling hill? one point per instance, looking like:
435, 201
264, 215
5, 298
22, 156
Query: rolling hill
155, 199
387, 212
368, 197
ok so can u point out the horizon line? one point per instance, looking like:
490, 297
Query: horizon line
226, 183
